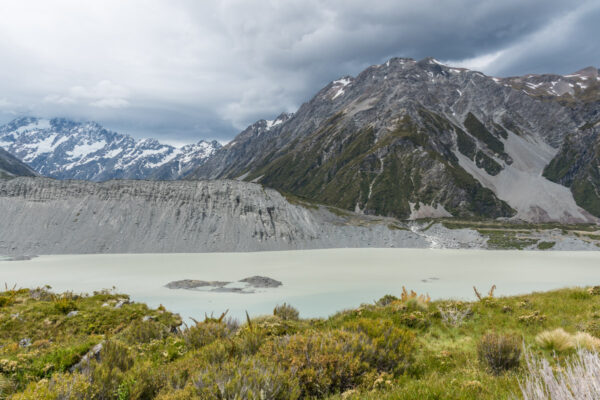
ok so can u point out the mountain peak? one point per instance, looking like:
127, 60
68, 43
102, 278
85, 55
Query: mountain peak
66, 149
590, 72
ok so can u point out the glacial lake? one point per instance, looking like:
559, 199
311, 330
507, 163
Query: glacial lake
317, 282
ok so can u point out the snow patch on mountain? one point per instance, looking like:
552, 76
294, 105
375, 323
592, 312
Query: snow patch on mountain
340, 84
85, 149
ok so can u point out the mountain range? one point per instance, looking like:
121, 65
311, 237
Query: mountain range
65, 149
405, 139
412, 139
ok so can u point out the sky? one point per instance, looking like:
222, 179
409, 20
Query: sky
181, 71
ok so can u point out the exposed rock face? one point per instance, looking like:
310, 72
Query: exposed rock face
45, 216
408, 133
65, 149
10, 166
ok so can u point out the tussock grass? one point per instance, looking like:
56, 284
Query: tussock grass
556, 340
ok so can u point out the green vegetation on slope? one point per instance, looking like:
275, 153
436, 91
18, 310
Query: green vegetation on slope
345, 167
486, 162
576, 166
478, 130
404, 347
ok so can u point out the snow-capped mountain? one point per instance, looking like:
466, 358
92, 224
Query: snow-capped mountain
65, 149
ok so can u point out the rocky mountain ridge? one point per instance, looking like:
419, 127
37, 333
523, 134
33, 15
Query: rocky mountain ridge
47, 216
414, 139
11, 167
64, 149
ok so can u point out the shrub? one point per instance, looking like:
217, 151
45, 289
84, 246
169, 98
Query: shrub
247, 379
6, 386
116, 355
64, 303
454, 314
557, 340
187, 393
577, 379
386, 300
499, 352
415, 319
324, 362
143, 382
107, 374
249, 341
6, 300
270, 325
140, 331
392, 348
286, 312
206, 332
62, 386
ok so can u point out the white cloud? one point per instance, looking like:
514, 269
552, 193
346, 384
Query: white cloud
483, 62
207, 68
104, 94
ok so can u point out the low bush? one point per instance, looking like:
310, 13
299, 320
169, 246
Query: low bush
454, 314
323, 362
107, 374
61, 386
386, 300
140, 331
249, 341
392, 348
64, 303
499, 352
415, 319
247, 379
143, 381
286, 312
203, 333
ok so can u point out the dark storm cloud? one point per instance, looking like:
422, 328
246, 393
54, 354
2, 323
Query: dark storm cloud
185, 70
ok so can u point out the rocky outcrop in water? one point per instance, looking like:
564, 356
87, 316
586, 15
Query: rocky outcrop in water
246, 285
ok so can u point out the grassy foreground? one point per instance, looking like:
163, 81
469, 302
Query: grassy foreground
397, 348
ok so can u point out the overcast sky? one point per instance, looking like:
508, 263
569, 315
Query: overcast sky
182, 71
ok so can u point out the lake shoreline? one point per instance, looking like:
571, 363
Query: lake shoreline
317, 282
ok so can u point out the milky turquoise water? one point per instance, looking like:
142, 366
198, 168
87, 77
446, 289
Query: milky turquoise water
317, 282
